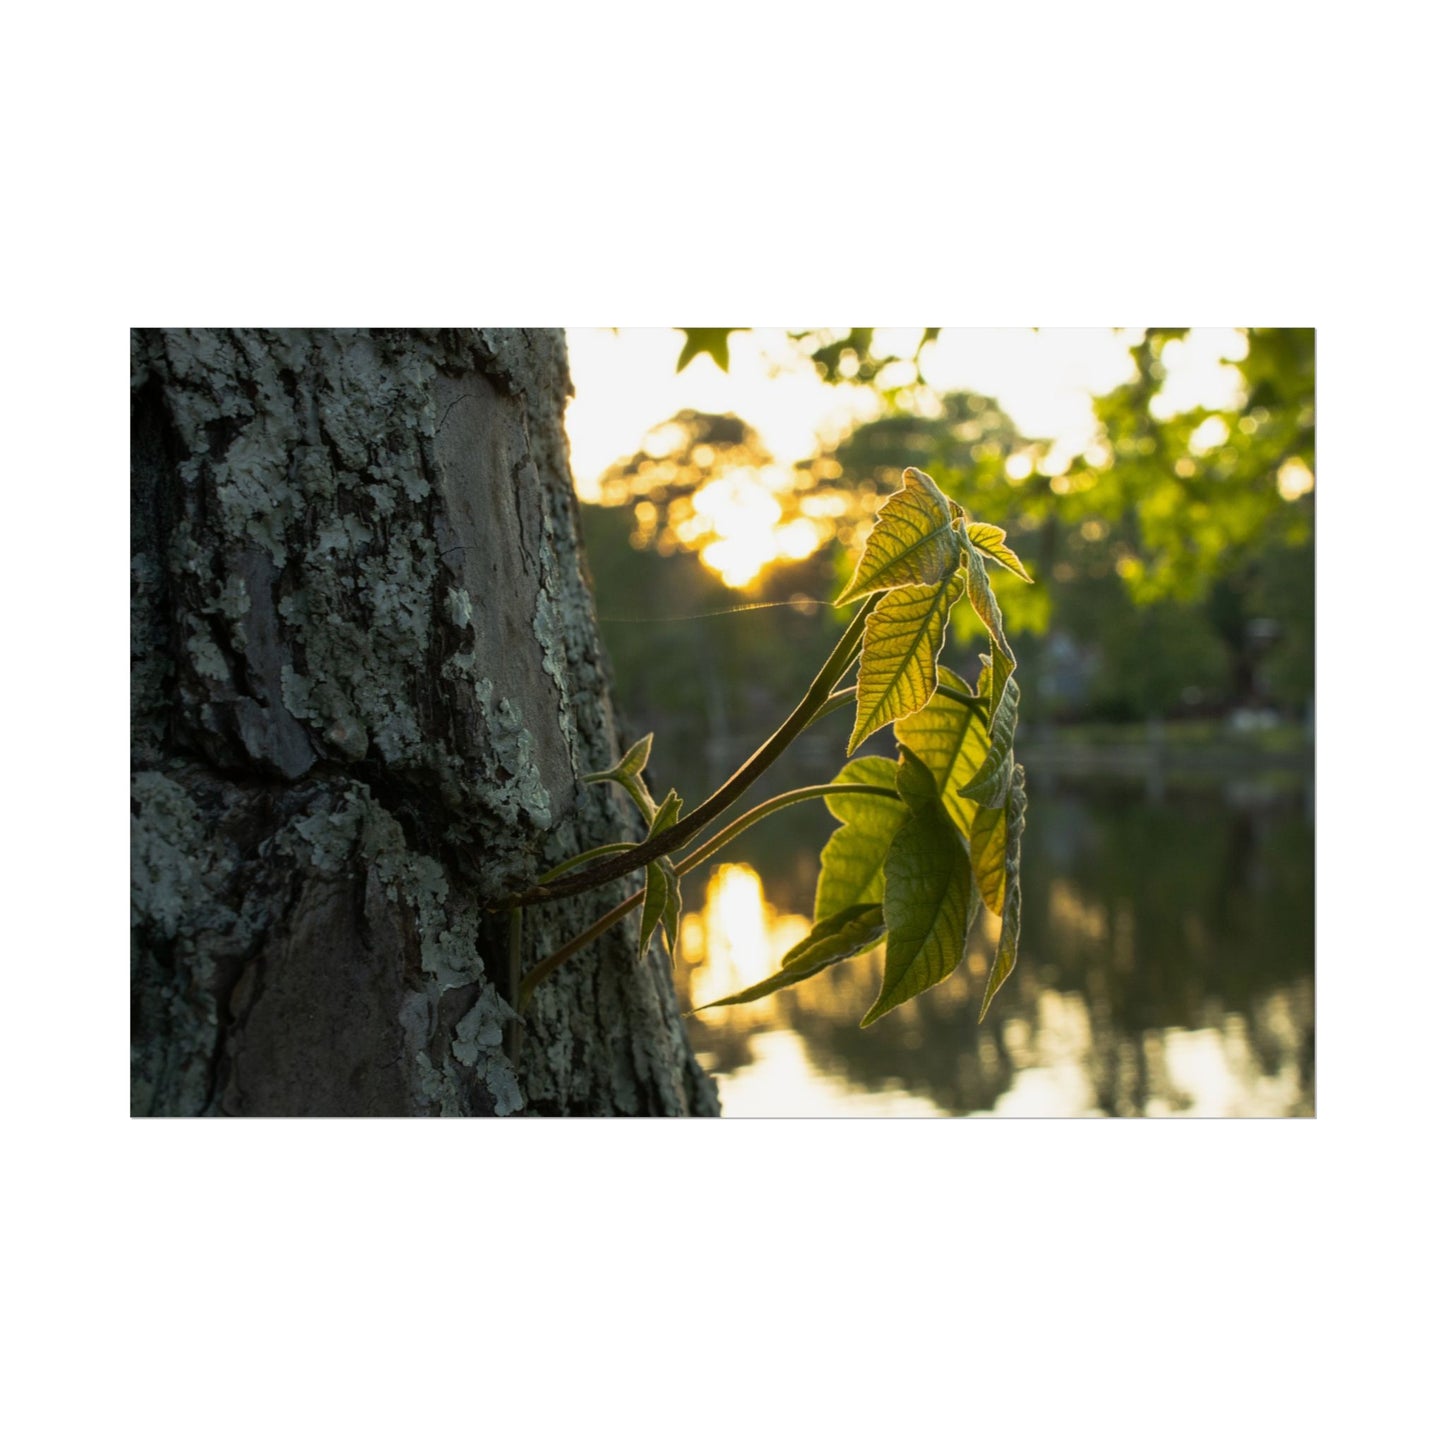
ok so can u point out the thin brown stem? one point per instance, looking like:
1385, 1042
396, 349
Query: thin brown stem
818, 697
698, 856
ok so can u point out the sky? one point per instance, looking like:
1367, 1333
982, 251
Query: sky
626, 382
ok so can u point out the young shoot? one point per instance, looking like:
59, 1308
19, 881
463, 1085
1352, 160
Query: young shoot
926, 838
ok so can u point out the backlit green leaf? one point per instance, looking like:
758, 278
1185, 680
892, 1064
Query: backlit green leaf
898, 671
951, 740
1012, 913
709, 340
662, 893
627, 773
987, 848
985, 679
989, 540
991, 782
845, 934
851, 870
927, 893
912, 542
667, 814
985, 604
1000, 669
672, 911
661, 903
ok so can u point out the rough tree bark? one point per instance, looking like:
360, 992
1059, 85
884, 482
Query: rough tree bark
365, 680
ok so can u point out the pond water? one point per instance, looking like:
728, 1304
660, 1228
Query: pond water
1166, 968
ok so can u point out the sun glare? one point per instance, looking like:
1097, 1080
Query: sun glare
1294, 480
740, 512
738, 937
1197, 372
1209, 434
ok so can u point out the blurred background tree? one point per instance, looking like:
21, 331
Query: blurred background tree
1173, 557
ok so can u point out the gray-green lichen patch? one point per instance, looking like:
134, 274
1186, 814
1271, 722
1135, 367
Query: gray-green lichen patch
512, 744
169, 856
490, 488
331, 828
240, 955
182, 928
446, 925
233, 602
514, 785
340, 536
480, 1029
547, 628
296, 691
459, 607
207, 658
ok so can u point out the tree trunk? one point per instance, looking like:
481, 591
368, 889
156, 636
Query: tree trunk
366, 679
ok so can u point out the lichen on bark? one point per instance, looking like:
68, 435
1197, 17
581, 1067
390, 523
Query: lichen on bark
365, 681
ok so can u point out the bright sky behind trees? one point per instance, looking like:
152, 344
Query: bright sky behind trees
626, 383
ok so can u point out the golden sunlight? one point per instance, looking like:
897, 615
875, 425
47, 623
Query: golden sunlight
1210, 434
1198, 372
738, 938
739, 512
736, 522
1294, 480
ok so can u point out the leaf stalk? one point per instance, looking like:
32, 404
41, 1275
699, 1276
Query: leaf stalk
698, 856
820, 696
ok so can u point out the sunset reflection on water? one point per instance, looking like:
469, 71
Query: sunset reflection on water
736, 939
1119, 1006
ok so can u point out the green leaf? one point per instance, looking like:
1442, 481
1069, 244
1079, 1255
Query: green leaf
990, 784
1001, 667
841, 936
951, 740
667, 814
709, 340
661, 903
989, 540
672, 911
662, 893
987, 849
1012, 913
912, 542
627, 773
898, 670
985, 604
851, 870
927, 893
985, 680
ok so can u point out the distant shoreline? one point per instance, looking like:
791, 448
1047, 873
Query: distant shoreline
1176, 751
